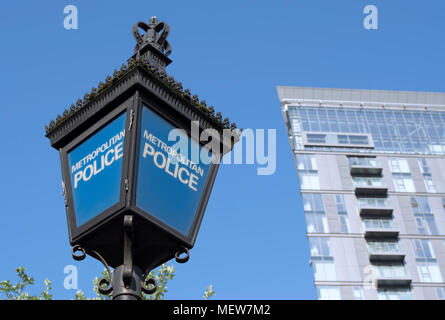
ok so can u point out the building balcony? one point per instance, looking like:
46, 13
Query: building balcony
377, 207
375, 233
365, 170
380, 229
385, 252
365, 166
381, 256
370, 186
394, 282
376, 211
392, 276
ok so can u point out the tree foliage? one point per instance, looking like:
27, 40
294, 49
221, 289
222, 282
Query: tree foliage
209, 293
17, 291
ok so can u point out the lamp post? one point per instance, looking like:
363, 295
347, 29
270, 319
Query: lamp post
134, 194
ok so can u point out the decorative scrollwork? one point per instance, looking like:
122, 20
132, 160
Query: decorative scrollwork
149, 286
104, 286
78, 257
103, 281
182, 259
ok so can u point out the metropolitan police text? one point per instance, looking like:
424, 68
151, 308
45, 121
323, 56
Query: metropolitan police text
169, 161
109, 152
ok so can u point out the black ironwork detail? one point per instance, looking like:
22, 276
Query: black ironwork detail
146, 286
182, 259
152, 50
151, 68
128, 250
152, 36
78, 257
102, 281
104, 286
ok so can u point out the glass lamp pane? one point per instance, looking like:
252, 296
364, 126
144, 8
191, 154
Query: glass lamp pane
169, 183
96, 169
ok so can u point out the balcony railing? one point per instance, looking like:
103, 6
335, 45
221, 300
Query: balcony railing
380, 228
385, 252
366, 186
390, 275
375, 207
364, 165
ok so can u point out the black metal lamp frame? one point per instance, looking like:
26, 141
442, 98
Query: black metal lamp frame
128, 282
112, 236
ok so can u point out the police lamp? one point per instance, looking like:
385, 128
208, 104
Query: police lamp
136, 175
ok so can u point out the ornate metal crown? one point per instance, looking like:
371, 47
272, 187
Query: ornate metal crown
152, 36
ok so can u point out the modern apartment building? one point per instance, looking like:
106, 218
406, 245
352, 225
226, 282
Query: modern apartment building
371, 171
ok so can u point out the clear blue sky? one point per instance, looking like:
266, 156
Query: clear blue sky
252, 243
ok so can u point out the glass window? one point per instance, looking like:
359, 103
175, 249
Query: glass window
420, 204
352, 139
368, 181
403, 182
401, 175
336, 141
328, 293
395, 131
343, 139
426, 224
429, 272
358, 293
428, 179
424, 168
358, 140
306, 162
316, 222
426, 262
364, 161
379, 223
344, 225
342, 213
324, 270
320, 247
313, 202
309, 181
374, 202
298, 142
313, 206
295, 126
394, 294
316, 138
321, 259
429, 184
424, 216
423, 250
399, 166
307, 172
440, 293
